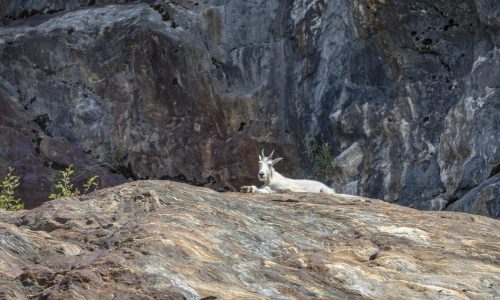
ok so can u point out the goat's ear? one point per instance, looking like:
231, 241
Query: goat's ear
260, 157
277, 160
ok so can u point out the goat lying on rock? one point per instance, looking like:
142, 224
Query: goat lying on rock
274, 182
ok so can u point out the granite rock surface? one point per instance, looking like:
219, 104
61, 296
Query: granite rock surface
166, 240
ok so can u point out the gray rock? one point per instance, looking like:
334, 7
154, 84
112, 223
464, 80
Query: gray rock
193, 90
482, 200
14, 10
36, 157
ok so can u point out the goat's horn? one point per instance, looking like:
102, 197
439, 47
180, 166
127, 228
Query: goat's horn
263, 155
271, 155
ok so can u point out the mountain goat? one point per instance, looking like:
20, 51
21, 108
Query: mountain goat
274, 182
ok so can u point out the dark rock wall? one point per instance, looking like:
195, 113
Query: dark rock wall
37, 158
410, 95
405, 92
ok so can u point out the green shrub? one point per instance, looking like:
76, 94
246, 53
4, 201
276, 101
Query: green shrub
91, 184
321, 155
66, 189
118, 160
8, 200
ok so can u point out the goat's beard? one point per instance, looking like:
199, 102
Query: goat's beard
263, 178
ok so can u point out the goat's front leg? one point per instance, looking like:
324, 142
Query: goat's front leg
254, 189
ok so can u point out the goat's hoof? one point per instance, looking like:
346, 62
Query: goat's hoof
246, 189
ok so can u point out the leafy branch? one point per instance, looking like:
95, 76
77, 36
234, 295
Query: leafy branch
67, 189
321, 155
8, 200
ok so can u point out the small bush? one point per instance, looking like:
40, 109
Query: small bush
118, 160
67, 189
91, 185
8, 200
321, 155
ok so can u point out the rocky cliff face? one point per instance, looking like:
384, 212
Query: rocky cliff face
165, 240
406, 93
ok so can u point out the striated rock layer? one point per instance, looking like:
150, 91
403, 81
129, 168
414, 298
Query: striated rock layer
406, 93
165, 240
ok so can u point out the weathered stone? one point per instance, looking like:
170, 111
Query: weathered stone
165, 240
17, 151
14, 10
25, 147
346, 166
193, 90
482, 200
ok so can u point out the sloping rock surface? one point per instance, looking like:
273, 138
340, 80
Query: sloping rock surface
165, 240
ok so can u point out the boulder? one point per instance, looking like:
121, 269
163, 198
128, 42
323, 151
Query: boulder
166, 240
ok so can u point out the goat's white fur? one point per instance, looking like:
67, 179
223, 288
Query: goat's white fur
274, 182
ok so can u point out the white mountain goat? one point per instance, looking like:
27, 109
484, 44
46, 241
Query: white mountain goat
274, 182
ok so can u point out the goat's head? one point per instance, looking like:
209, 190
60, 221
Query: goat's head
266, 166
